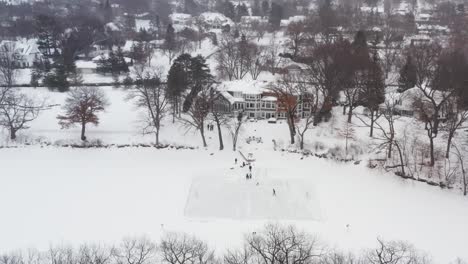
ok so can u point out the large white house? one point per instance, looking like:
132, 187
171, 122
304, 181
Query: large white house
23, 51
255, 100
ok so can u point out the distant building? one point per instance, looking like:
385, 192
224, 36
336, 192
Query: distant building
213, 20
256, 102
24, 51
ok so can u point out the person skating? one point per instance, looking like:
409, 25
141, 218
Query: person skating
235, 161
274, 192
250, 168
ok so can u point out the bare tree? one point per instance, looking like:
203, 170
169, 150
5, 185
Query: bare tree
240, 256
272, 58
228, 58
297, 35
455, 120
17, 111
334, 257
149, 93
431, 97
235, 57
179, 248
235, 127
395, 252
197, 114
140, 250
460, 157
386, 127
276, 245
288, 91
81, 107
257, 61
95, 254
12, 258
8, 71
348, 133
391, 49
62, 255
326, 71
219, 115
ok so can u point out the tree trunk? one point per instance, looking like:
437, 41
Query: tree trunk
157, 136
344, 109
372, 124
301, 143
202, 133
220, 135
431, 145
292, 131
401, 159
12, 134
449, 144
83, 130
390, 148
350, 114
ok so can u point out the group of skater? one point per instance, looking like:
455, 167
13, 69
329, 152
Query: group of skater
248, 175
210, 127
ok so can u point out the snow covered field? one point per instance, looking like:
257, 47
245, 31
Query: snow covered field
52, 195
60, 195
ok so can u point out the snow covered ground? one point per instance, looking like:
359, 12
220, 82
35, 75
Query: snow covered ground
52, 195
60, 195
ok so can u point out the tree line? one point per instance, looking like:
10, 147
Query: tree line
273, 244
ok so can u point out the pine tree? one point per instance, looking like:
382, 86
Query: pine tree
276, 14
256, 8
241, 10
265, 8
408, 76
57, 78
229, 10
199, 77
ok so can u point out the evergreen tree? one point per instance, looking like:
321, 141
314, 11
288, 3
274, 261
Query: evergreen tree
191, 7
57, 78
199, 77
169, 40
256, 8
229, 10
107, 12
276, 14
241, 10
408, 76
48, 32
265, 8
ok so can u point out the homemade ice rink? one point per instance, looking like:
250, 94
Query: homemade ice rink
235, 197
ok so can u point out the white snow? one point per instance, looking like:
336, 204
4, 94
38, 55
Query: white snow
56, 195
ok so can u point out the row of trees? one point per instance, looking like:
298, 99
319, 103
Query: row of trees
274, 244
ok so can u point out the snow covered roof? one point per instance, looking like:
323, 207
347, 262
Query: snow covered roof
244, 86
23, 47
142, 24
293, 19
269, 99
215, 18
180, 17
81, 64
231, 98
112, 26
251, 19
106, 56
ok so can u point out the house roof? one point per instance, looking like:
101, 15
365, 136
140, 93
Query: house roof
23, 47
81, 64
